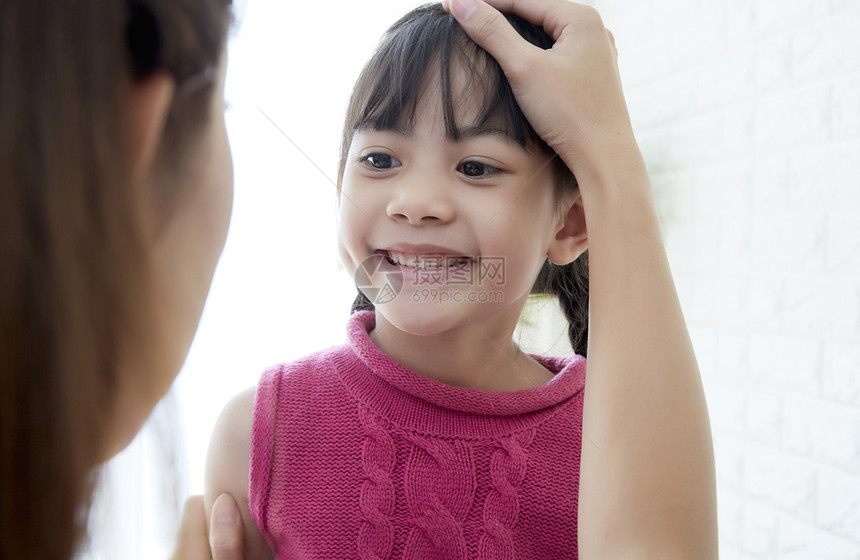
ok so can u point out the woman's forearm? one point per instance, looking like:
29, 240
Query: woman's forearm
647, 468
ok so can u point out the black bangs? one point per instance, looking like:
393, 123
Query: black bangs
420, 53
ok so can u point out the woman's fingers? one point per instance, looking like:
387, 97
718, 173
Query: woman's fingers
224, 541
191, 543
489, 28
225, 529
553, 15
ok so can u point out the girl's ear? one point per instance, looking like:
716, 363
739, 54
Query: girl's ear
147, 103
571, 237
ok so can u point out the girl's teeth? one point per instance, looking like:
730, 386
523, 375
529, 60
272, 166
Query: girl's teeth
413, 261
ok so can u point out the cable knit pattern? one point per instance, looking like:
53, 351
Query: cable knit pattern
376, 536
440, 491
507, 471
355, 456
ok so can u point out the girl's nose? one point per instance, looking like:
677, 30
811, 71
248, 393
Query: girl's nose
421, 201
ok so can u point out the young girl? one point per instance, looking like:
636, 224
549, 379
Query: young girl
430, 434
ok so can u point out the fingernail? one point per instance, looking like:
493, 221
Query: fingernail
223, 511
463, 9
445, 5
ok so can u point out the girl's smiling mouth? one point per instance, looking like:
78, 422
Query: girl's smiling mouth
424, 257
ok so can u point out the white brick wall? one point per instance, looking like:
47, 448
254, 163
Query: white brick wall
748, 112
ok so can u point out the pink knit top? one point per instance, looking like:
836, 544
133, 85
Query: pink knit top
354, 456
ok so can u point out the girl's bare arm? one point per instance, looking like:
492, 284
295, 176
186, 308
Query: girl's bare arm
227, 465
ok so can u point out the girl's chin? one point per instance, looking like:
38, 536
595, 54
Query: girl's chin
419, 320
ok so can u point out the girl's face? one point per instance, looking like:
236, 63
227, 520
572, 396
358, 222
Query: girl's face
459, 230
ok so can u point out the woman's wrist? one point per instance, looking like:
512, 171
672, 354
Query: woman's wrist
607, 164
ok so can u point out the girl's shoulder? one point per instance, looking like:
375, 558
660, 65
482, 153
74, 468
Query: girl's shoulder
312, 368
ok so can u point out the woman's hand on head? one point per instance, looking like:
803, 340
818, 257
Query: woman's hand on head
571, 93
224, 540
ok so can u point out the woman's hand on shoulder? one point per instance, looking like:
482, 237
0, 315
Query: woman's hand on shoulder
223, 541
571, 94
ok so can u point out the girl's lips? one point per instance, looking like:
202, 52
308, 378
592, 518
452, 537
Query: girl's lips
420, 249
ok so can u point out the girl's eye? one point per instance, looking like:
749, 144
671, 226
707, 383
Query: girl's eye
380, 161
477, 169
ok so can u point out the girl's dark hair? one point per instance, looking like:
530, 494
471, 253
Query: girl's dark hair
72, 264
386, 96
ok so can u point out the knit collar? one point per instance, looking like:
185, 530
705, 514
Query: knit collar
405, 396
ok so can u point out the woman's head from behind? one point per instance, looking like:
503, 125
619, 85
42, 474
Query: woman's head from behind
116, 197
427, 55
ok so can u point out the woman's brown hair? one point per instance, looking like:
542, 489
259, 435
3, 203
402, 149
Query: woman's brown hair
71, 257
386, 96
